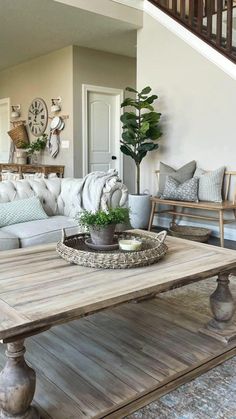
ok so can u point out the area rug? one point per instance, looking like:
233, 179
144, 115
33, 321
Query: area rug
212, 395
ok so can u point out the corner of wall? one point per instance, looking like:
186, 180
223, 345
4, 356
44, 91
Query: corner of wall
77, 151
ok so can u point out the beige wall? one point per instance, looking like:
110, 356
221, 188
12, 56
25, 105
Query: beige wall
47, 77
101, 69
62, 73
196, 98
118, 9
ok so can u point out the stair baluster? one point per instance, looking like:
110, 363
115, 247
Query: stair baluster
211, 20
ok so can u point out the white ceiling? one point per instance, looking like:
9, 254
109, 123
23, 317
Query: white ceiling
30, 28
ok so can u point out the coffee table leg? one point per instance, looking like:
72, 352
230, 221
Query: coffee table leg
223, 308
17, 385
222, 304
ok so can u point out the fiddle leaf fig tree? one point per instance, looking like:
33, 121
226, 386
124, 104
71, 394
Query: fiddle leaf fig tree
140, 127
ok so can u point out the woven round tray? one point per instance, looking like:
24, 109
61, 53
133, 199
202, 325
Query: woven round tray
198, 234
74, 250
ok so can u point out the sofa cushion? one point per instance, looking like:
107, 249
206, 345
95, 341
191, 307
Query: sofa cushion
181, 175
42, 231
21, 211
8, 241
69, 200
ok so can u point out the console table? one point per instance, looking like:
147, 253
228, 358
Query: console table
31, 168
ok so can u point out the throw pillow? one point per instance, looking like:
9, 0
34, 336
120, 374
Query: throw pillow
21, 211
181, 175
186, 191
210, 184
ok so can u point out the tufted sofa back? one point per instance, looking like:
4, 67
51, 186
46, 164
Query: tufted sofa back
58, 196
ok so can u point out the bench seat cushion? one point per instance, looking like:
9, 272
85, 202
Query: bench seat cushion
8, 241
41, 231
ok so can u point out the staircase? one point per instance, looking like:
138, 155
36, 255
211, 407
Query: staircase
214, 21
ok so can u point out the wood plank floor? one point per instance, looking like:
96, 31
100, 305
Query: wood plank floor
127, 356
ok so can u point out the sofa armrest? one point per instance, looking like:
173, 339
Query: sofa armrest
115, 194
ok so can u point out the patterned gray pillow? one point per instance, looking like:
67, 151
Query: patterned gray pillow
181, 175
210, 184
186, 191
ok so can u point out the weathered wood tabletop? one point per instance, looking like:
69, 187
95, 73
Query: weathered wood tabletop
38, 290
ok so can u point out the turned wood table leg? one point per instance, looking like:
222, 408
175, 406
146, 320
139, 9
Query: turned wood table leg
17, 385
222, 304
223, 308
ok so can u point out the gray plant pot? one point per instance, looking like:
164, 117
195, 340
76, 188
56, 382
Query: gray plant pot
21, 156
140, 206
103, 235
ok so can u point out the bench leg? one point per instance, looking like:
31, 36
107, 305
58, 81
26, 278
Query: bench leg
221, 224
174, 216
151, 215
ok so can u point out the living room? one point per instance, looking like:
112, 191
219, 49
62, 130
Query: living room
68, 163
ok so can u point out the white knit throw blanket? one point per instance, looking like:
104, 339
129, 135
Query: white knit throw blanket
92, 188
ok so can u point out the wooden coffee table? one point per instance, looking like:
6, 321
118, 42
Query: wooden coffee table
39, 290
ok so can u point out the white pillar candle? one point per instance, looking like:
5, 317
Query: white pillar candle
130, 245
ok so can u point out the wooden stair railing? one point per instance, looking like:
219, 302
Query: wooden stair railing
211, 20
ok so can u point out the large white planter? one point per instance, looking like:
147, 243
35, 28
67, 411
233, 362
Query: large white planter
140, 206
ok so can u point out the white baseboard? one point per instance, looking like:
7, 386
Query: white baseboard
194, 41
230, 232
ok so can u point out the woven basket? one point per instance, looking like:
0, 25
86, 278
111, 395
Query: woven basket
19, 136
74, 250
198, 234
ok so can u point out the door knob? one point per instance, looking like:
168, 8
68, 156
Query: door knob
113, 157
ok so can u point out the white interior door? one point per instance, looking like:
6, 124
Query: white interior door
103, 130
4, 127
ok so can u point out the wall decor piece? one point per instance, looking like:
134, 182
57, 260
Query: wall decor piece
15, 111
18, 122
19, 136
56, 105
56, 126
56, 123
37, 117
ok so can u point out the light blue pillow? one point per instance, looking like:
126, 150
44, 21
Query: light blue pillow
21, 211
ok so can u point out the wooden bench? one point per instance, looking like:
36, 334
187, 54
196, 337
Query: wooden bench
218, 207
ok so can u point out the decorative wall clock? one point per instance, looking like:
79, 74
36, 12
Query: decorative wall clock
37, 117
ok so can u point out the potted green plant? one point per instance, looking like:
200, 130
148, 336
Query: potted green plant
36, 147
140, 134
101, 224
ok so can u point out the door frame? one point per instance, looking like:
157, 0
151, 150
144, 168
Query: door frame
6, 100
119, 93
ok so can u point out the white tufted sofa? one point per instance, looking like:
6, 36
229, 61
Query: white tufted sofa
60, 200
